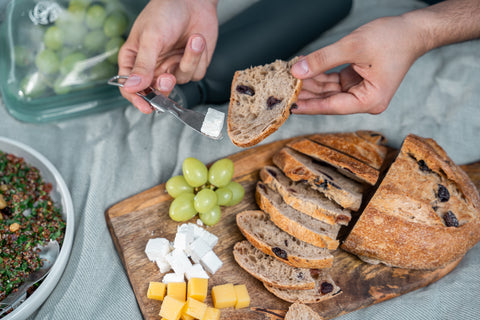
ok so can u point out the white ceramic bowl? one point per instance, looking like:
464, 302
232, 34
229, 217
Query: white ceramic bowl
61, 196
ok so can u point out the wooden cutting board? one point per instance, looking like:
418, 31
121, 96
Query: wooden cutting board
133, 221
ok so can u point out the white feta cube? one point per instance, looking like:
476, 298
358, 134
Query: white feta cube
173, 277
157, 249
178, 261
211, 262
163, 265
197, 249
196, 271
185, 228
197, 230
210, 239
182, 240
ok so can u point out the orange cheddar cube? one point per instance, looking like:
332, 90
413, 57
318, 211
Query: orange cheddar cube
177, 290
243, 298
224, 296
156, 290
195, 308
212, 314
197, 288
171, 308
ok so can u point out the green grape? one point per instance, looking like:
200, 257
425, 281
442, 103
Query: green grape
94, 41
211, 217
60, 86
47, 61
221, 172
33, 85
53, 38
181, 208
102, 71
23, 56
224, 196
204, 200
195, 172
76, 11
237, 192
95, 16
74, 33
177, 185
112, 47
116, 24
70, 61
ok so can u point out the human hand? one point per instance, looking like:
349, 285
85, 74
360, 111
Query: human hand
171, 41
377, 56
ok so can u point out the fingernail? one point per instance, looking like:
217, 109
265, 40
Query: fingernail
132, 81
197, 44
165, 84
301, 67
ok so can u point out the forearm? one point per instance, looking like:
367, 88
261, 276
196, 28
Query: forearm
446, 22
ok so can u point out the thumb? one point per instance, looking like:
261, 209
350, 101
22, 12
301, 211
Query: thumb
321, 61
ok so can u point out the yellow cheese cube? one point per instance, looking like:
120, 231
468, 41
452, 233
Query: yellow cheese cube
171, 308
185, 316
177, 290
156, 290
197, 288
195, 308
212, 314
223, 296
243, 298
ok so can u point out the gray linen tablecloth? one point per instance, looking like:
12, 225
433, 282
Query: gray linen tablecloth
110, 156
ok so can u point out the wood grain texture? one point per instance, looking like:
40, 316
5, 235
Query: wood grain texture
133, 221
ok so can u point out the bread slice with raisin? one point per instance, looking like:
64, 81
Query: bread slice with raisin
294, 222
300, 311
260, 101
325, 288
299, 195
344, 163
335, 186
270, 270
263, 234
424, 214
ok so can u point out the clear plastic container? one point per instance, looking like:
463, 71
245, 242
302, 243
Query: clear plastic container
56, 56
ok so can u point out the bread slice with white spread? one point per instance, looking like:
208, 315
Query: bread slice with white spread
260, 101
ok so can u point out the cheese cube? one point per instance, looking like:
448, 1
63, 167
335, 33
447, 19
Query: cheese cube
224, 296
178, 261
163, 265
185, 316
243, 298
177, 290
197, 289
195, 308
210, 239
156, 290
211, 262
212, 314
182, 240
197, 249
171, 308
157, 248
196, 271
173, 277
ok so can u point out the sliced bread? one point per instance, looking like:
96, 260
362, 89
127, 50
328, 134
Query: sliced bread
300, 311
424, 215
270, 270
299, 195
260, 101
294, 222
263, 234
344, 163
298, 167
325, 288
364, 145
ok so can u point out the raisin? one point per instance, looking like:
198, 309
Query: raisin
279, 252
245, 90
271, 172
450, 219
423, 166
272, 101
443, 193
300, 276
314, 273
286, 242
326, 287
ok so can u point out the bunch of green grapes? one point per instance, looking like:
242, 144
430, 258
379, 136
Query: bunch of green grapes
78, 49
203, 190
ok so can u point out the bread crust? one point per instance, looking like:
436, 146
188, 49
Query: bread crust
384, 231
